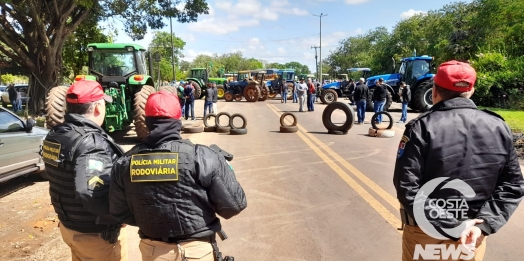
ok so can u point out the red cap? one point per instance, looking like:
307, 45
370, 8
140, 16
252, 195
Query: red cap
456, 76
85, 91
163, 104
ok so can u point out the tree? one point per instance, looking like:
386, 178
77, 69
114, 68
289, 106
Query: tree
161, 43
34, 31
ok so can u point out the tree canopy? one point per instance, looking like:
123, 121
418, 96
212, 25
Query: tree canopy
33, 32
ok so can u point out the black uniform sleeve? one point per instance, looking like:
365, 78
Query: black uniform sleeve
409, 167
218, 177
93, 164
118, 205
507, 194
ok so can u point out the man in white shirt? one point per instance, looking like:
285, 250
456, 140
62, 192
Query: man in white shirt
302, 92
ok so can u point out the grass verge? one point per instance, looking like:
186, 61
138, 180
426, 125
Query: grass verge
515, 119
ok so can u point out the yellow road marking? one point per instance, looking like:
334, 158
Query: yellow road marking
374, 203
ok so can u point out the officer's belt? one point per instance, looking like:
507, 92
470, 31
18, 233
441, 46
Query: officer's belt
174, 240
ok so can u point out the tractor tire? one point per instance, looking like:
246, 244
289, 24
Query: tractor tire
228, 97
139, 111
168, 88
251, 92
288, 129
422, 97
290, 87
337, 132
381, 133
55, 104
272, 95
198, 90
221, 91
389, 100
241, 131
328, 96
264, 92
244, 121
283, 116
384, 113
206, 120
348, 110
369, 102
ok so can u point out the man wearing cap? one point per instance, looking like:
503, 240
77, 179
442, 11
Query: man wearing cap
78, 157
301, 91
455, 141
172, 189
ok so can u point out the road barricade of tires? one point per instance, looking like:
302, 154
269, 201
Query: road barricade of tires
375, 131
237, 130
336, 129
285, 128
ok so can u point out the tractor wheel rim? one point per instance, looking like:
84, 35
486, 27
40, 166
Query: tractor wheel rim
220, 92
330, 97
428, 97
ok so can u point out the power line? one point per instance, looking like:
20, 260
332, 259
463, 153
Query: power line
245, 41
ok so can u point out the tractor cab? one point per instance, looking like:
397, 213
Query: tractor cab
413, 68
363, 72
342, 77
199, 73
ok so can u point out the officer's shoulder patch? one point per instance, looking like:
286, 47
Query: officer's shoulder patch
402, 146
95, 165
51, 152
154, 167
493, 114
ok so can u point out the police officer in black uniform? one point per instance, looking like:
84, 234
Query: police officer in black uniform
456, 141
172, 189
78, 157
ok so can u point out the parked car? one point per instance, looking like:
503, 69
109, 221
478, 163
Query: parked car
21, 88
3, 88
20, 146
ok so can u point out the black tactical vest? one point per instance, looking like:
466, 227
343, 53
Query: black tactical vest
71, 212
166, 205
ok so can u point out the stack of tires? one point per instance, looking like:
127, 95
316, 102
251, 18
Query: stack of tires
285, 128
229, 128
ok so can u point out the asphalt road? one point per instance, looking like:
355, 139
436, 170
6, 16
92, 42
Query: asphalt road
316, 196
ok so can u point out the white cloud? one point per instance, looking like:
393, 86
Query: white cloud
190, 55
410, 13
281, 50
220, 26
356, 2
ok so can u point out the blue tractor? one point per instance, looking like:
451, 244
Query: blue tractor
416, 72
289, 77
332, 91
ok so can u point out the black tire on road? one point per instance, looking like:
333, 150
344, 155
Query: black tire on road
244, 124
139, 106
238, 131
369, 102
346, 108
284, 115
288, 129
251, 92
374, 118
422, 97
223, 129
55, 104
206, 119
193, 129
337, 132
229, 97
210, 129
328, 96
217, 119
389, 100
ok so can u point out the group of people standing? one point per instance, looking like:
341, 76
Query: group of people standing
304, 93
186, 95
379, 97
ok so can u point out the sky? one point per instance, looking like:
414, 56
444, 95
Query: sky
285, 30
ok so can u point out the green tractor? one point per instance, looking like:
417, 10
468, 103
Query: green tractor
122, 70
199, 79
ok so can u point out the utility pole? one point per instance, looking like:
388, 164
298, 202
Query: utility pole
172, 48
320, 73
316, 61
